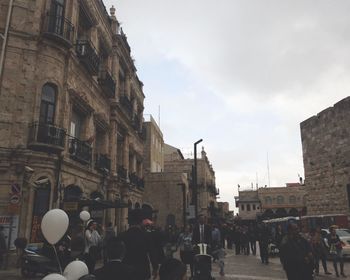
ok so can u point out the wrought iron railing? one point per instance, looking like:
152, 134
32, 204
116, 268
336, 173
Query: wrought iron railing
103, 162
107, 83
80, 150
46, 134
88, 55
137, 181
59, 26
126, 104
122, 172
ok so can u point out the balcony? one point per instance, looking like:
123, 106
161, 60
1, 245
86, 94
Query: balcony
126, 104
58, 28
135, 180
102, 163
136, 123
122, 172
107, 83
80, 151
46, 137
88, 56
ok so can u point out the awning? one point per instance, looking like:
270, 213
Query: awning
99, 204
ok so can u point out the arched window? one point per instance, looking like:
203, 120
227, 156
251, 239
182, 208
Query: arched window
292, 199
268, 200
48, 104
248, 207
280, 199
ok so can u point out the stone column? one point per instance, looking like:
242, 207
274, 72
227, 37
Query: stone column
126, 153
124, 212
113, 146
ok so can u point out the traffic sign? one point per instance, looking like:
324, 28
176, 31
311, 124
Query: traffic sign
15, 188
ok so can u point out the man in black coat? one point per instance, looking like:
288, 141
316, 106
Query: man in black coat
201, 232
139, 251
114, 267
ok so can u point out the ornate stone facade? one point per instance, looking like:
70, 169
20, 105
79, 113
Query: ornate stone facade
71, 111
326, 154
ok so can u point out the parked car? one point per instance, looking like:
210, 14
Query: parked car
344, 237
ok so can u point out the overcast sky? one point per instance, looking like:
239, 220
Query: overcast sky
242, 75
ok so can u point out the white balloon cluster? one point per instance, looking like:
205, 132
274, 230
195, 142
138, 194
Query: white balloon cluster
53, 226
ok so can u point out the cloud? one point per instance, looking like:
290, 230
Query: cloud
241, 74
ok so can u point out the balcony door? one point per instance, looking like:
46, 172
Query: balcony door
57, 17
48, 104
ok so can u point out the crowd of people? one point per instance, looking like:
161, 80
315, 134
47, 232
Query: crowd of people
145, 251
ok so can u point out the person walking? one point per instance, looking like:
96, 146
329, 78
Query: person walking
139, 251
218, 252
108, 234
114, 267
319, 250
184, 242
296, 255
336, 251
263, 238
92, 245
202, 232
252, 232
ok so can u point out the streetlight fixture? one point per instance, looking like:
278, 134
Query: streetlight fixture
195, 188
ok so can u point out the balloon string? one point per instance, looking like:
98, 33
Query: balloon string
58, 260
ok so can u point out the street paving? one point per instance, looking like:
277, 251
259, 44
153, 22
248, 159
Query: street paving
236, 267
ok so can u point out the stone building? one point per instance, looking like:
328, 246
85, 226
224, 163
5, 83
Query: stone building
207, 190
326, 155
248, 204
71, 111
166, 191
283, 201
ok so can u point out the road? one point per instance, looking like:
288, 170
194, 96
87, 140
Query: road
236, 267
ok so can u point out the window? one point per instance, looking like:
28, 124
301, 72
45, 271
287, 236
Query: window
292, 199
242, 207
76, 124
248, 207
48, 104
280, 199
254, 207
268, 200
56, 24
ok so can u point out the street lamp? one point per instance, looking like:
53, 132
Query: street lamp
195, 189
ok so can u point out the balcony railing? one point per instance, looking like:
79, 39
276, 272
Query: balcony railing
135, 180
59, 28
122, 172
88, 56
103, 163
126, 104
107, 83
46, 136
80, 150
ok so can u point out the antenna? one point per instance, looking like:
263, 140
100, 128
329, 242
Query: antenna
268, 169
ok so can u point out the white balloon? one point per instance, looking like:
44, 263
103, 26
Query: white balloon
84, 216
75, 270
54, 225
54, 276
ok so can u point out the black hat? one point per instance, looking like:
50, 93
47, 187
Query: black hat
135, 217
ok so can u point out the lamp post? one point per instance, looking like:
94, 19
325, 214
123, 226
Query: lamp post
195, 188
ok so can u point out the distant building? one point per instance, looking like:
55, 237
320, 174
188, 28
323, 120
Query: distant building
326, 154
268, 203
248, 204
283, 201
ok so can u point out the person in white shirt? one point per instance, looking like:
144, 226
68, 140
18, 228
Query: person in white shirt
92, 245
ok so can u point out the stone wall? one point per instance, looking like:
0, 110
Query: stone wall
326, 154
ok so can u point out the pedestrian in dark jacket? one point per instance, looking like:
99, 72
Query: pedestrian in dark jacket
263, 238
108, 234
3, 247
139, 252
296, 255
115, 268
202, 232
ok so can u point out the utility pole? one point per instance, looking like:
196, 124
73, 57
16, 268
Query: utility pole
195, 187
